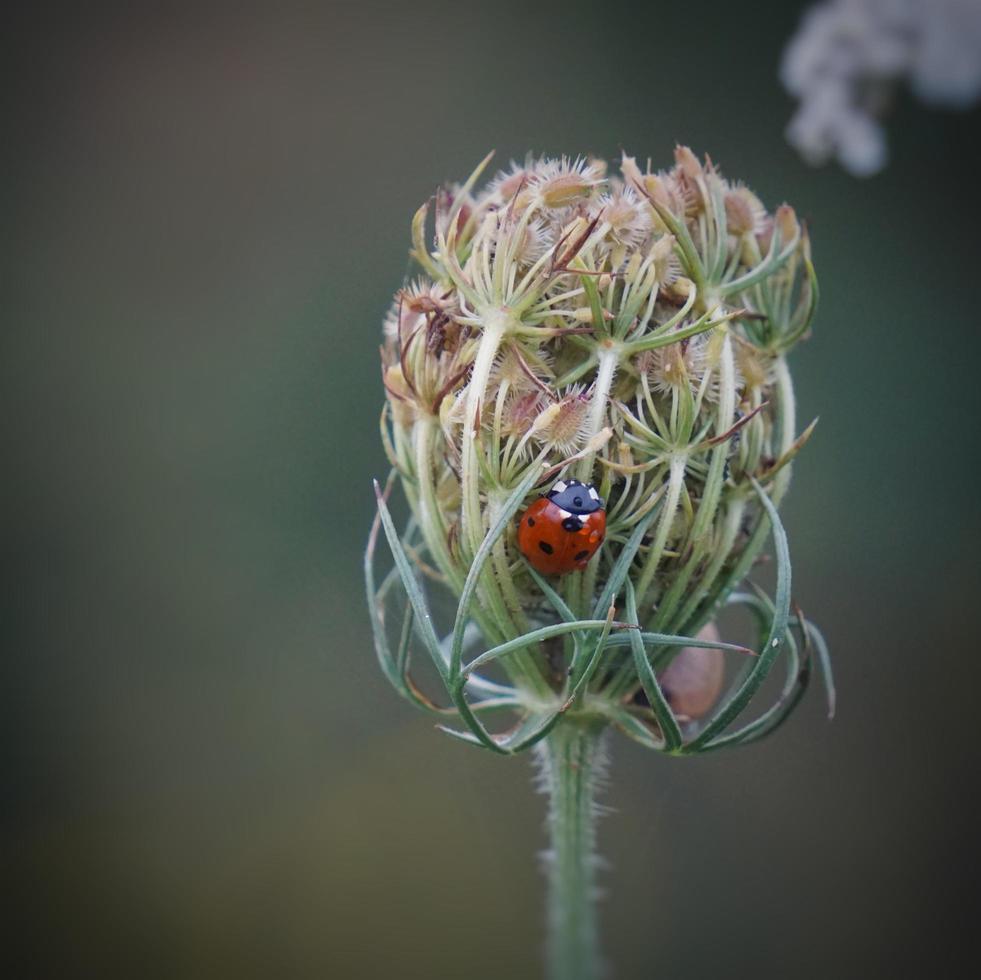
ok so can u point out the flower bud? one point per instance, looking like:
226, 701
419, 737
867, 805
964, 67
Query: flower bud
738, 214
594, 330
786, 220
680, 289
688, 162
562, 426
692, 682
564, 182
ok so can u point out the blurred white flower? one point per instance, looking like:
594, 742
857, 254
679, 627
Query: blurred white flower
848, 56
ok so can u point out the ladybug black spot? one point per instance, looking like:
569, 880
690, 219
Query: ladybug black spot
580, 555
531, 522
572, 524
546, 547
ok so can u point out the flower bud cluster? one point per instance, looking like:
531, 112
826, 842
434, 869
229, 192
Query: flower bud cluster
626, 330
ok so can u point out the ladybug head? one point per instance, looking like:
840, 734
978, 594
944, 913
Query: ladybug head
575, 497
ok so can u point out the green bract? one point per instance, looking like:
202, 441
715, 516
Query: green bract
628, 331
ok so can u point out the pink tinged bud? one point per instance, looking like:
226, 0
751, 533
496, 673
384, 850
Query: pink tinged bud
447, 200
521, 412
660, 194
765, 234
739, 216
645, 362
688, 162
627, 217
512, 184
532, 245
631, 172
417, 302
598, 167
786, 220
693, 681
563, 424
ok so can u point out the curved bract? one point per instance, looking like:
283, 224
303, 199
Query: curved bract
629, 332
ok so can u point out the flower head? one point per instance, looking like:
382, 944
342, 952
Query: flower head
631, 333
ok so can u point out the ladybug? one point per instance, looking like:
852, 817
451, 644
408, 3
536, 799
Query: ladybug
562, 530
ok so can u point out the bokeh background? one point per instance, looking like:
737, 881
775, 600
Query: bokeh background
205, 776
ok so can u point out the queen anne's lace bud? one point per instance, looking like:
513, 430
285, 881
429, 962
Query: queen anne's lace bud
630, 332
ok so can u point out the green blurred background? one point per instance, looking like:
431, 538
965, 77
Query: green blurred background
207, 211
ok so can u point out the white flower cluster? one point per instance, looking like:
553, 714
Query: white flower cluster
849, 55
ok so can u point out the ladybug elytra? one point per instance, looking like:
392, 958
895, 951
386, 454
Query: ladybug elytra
563, 529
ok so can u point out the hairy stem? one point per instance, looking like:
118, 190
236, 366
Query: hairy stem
424, 434
669, 508
490, 342
605, 372
572, 764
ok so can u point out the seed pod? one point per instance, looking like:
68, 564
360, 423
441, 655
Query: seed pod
693, 680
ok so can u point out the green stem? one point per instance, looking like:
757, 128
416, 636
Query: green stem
608, 359
490, 342
424, 433
676, 482
572, 766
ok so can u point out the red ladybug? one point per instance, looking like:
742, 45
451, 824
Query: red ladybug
562, 530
